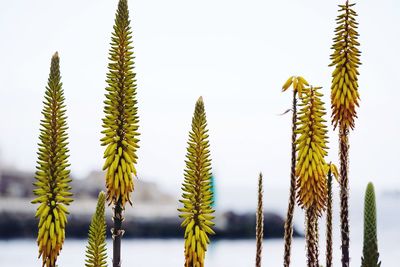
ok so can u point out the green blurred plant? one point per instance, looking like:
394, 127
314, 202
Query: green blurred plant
120, 124
96, 250
370, 256
197, 195
52, 176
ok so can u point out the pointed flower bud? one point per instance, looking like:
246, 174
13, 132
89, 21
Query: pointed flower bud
298, 83
52, 176
121, 120
96, 250
345, 58
197, 195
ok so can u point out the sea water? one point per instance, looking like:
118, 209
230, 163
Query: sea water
169, 253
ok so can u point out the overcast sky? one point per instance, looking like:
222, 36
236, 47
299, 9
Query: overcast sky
236, 54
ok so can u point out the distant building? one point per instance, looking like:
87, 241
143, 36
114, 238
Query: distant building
144, 191
15, 183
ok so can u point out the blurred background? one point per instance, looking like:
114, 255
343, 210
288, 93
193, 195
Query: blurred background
236, 54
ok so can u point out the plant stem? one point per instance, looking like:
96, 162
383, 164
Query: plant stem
329, 222
311, 238
117, 233
292, 195
344, 193
260, 222
316, 244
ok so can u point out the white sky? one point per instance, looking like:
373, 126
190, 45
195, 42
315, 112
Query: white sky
235, 53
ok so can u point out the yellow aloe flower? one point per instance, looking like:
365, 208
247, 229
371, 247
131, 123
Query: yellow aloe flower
197, 195
345, 58
52, 176
311, 147
96, 249
121, 120
298, 83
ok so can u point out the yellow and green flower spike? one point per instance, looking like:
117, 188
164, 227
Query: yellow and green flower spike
96, 250
52, 176
344, 94
121, 120
197, 196
311, 146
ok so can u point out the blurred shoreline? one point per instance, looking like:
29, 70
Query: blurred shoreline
145, 220
153, 215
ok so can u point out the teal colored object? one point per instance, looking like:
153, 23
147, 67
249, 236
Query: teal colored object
213, 204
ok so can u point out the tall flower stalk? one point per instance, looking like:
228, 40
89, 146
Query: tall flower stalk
259, 222
312, 237
332, 171
96, 250
311, 166
120, 124
197, 195
298, 83
52, 174
344, 99
370, 256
